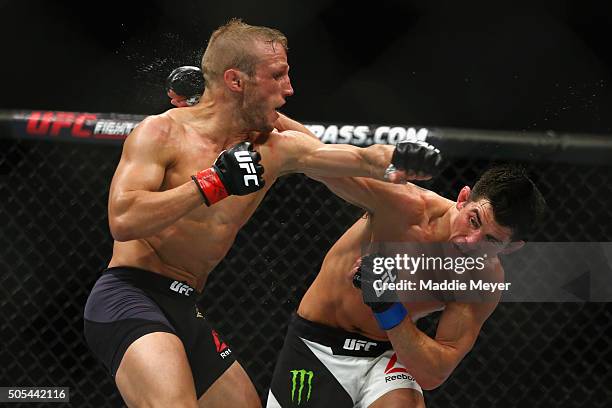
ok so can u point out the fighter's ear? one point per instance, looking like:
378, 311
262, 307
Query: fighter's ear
233, 80
513, 246
463, 197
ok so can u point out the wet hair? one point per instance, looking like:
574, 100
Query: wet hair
516, 201
232, 45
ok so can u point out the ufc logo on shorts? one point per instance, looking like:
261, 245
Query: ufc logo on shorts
181, 288
244, 158
356, 345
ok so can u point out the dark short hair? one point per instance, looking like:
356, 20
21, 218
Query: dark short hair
517, 202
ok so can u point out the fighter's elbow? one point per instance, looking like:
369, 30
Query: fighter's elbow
119, 229
431, 382
429, 376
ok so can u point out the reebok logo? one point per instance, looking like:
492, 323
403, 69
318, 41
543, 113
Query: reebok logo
400, 372
182, 288
356, 345
244, 158
391, 368
401, 376
220, 345
301, 379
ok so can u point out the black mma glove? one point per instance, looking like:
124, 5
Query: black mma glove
236, 171
186, 81
388, 313
421, 158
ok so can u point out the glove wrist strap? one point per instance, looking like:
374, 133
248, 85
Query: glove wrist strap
391, 317
210, 185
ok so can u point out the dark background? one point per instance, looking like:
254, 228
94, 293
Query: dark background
533, 65
490, 65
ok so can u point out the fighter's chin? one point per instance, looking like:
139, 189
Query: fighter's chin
271, 122
266, 127
458, 248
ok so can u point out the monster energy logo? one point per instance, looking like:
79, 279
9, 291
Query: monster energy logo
300, 376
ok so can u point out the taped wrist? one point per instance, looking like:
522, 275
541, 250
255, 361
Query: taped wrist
391, 317
210, 185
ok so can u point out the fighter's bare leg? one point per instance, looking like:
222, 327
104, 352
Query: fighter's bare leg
232, 389
402, 397
155, 372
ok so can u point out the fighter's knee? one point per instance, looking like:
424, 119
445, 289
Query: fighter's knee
184, 403
155, 372
400, 398
141, 396
407, 400
163, 403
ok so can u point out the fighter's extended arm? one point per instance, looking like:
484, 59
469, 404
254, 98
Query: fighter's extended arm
304, 154
136, 208
300, 153
374, 196
431, 361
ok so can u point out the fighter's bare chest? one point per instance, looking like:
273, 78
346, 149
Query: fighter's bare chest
230, 213
192, 157
185, 166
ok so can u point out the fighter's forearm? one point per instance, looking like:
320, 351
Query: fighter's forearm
377, 157
427, 360
139, 214
346, 161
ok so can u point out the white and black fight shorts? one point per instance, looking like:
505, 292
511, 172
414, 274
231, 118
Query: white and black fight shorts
321, 366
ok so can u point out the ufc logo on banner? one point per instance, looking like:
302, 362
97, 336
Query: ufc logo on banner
244, 158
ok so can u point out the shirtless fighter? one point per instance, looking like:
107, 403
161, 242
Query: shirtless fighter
339, 352
187, 181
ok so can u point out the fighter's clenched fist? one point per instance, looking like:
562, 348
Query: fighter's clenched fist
236, 171
417, 159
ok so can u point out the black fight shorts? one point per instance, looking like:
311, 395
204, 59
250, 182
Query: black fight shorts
127, 303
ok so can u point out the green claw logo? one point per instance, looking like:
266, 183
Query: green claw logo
300, 376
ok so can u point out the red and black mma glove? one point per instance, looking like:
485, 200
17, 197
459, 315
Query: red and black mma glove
235, 172
186, 81
418, 157
385, 304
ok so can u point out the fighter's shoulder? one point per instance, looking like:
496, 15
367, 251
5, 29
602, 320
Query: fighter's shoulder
412, 194
435, 204
156, 135
163, 125
156, 129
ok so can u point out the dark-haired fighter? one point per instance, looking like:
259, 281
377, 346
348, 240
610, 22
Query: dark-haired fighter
340, 352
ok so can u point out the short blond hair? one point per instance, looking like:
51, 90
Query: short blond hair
231, 46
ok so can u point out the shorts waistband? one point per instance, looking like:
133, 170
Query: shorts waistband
342, 342
153, 281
